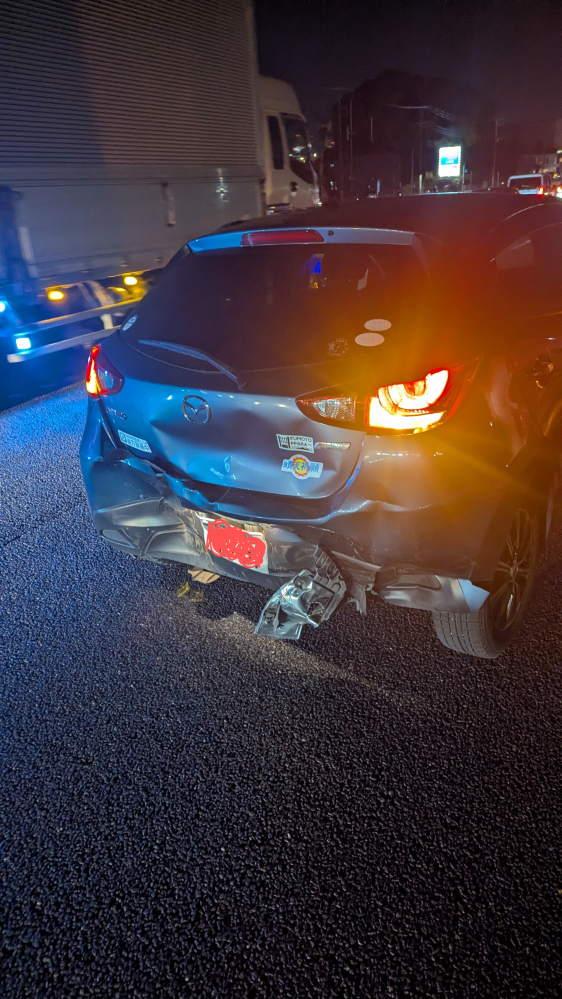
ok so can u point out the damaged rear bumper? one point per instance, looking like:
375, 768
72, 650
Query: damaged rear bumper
309, 579
162, 530
142, 510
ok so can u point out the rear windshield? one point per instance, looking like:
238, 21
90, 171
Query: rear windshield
526, 183
277, 306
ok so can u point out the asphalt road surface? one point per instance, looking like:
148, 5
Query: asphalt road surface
190, 811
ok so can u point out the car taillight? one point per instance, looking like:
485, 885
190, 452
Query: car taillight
101, 377
340, 408
541, 190
401, 408
410, 406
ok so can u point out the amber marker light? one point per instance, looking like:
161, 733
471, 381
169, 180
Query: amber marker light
55, 295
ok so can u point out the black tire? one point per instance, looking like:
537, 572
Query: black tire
491, 629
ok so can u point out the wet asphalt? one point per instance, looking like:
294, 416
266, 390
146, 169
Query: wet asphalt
189, 811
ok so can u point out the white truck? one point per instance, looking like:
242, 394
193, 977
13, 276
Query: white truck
125, 130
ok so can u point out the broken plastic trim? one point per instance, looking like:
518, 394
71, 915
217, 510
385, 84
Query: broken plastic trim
308, 598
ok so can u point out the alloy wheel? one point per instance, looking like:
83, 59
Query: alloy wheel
512, 574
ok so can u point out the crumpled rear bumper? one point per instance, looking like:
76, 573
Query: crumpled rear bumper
153, 523
157, 530
161, 530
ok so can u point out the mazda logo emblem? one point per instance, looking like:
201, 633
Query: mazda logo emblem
196, 410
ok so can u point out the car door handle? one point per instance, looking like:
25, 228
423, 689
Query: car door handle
541, 369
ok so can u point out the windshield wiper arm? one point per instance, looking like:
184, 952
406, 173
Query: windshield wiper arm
179, 348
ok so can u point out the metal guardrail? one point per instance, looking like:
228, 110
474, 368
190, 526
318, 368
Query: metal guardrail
50, 348
76, 317
83, 339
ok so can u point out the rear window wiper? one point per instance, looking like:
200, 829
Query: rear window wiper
200, 355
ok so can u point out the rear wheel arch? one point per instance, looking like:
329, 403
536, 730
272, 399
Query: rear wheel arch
487, 632
532, 478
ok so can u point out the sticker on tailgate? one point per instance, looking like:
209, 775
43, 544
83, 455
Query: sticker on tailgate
301, 467
136, 442
295, 442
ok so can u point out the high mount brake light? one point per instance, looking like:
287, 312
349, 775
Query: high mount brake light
402, 408
101, 377
272, 237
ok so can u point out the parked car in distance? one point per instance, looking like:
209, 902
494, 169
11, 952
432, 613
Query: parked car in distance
538, 184
345, 403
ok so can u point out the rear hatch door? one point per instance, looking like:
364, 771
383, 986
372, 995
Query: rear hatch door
230, 337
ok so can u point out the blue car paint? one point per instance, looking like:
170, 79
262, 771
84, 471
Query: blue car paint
434, 502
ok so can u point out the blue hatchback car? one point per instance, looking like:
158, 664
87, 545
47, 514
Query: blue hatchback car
344, 403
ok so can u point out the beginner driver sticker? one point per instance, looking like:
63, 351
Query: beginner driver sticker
301, 467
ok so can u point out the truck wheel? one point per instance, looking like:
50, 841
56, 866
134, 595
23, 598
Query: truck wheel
491, 629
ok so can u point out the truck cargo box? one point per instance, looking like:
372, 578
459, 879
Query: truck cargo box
125, 128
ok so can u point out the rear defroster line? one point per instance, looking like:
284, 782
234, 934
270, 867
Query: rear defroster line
308, 598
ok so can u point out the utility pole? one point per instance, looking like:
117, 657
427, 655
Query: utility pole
497, 124
420, 145
421, 108
342, 91
340, 157
351, 144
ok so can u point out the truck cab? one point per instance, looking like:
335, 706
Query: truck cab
290, 178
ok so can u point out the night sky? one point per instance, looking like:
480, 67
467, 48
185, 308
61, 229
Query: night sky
510, 49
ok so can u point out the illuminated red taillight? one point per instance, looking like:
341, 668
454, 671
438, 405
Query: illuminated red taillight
541, 190
101, 376
409, 406
403, 408
271, 237
92, 386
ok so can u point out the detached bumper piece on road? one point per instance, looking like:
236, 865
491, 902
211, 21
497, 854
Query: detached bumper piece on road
309, 598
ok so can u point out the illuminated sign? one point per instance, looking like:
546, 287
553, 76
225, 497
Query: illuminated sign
449, 161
